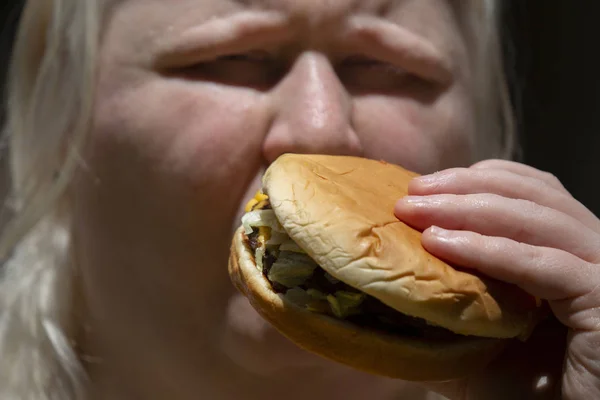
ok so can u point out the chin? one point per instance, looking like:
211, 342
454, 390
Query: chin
255, 346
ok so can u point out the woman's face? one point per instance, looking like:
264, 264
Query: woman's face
196, 97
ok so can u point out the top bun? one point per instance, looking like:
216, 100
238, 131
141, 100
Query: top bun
340, 210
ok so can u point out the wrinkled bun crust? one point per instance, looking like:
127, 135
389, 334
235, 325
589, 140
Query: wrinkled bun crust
340, 210
376, 353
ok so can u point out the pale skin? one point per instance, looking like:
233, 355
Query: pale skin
194, 99
520, 225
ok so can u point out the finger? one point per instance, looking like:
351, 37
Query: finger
522, 170
504, 183
492, 215
544, 272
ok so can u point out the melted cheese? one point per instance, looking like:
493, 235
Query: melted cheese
258, 197
264, 232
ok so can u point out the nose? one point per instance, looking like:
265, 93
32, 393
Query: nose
312, 112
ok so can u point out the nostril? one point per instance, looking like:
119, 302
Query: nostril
304, 141
277, 144
355, 146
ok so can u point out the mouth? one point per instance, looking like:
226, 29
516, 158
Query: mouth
293, 274
251, 188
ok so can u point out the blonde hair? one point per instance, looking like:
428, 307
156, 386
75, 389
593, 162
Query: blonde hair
49, 109
494, 113
49, 106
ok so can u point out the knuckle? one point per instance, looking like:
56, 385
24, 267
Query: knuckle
490, 163
534, 210
533, 254
528, 210
536, 261
488, 200
485, 198
552, 179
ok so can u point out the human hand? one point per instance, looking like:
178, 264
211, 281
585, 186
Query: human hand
520, 225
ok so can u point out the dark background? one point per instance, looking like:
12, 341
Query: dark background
558, 70
554, 65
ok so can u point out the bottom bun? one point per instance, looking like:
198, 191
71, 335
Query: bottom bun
377, 353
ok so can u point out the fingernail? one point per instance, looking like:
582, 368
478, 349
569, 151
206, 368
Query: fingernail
425, 179
439, 232
431, 178
415, 200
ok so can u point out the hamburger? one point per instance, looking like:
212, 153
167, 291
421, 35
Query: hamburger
322, 257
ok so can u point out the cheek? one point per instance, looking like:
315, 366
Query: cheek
164, 153
453, 129
201, 133
421, 137
167, 164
